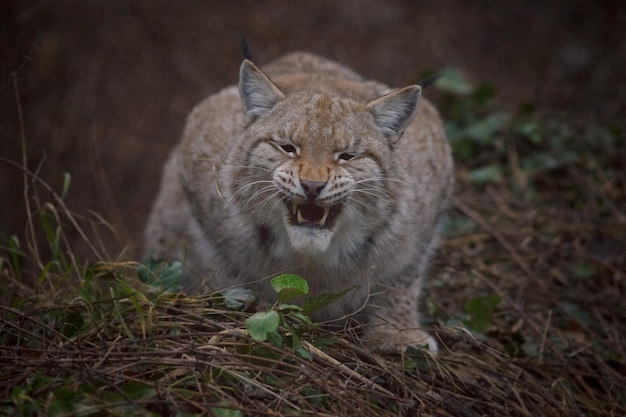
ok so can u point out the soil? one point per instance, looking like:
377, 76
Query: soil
104, 87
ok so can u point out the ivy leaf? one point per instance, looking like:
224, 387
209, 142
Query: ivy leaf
487, 173
275, 338
289, 286
289, 308
301, 350
301, 317
480, 310
139, 390
485, 131
63, 401
73, 323
238, 298
453, 81
317, 303
261, 324
225, 412
161, 274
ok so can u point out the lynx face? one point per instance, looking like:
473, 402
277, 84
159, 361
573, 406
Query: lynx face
324, 160
314, 187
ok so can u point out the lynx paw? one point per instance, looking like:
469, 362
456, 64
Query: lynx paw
391, 339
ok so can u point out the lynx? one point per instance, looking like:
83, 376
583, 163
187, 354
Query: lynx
308, 168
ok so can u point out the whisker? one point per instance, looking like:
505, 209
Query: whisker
247, 167
250, 184
244, 187
354, 200
350, 206
381, 179
260, 192
267, 200
220, 163
374, 192
200, 158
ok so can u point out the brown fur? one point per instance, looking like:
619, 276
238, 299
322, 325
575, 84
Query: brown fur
261, 164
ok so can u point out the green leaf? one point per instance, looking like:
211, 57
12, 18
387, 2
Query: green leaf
304, 353
295, 340
39, 382
73, 323
139, 390
289, 286
453, 81
317, 303
530, 130
67, 179
262, 323
574, 312
24, 402
301, 317
238, 298
484, 131
480, 310
464, 148
289, 308
225, 412
585, 270
539, 161
64, 401
456, 224
65, 394
483, 94
275, 338
161, 274
15, 252
488, 173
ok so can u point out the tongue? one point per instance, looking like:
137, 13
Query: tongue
311, 212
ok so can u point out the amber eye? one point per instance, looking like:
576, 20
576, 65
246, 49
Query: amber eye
346, 156
288, 148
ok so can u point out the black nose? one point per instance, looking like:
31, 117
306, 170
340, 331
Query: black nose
312, 188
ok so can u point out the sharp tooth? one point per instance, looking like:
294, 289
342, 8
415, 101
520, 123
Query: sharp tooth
294, 208
324, 217
300, 218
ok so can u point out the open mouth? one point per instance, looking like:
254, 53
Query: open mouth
312, 215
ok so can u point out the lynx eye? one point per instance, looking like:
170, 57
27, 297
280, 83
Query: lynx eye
287, 148
346, 156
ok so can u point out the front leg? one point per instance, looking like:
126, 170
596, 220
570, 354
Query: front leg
393, 319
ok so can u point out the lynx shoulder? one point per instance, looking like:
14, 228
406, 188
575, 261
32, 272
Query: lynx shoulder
308, 168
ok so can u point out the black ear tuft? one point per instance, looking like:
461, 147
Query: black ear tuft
429, 80
245, 48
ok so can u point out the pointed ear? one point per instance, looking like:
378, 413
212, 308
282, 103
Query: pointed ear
395, 111
257, 92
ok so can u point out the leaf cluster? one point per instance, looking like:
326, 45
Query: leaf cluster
285, 322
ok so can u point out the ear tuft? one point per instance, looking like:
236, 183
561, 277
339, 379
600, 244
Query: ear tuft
257, 92
395, 111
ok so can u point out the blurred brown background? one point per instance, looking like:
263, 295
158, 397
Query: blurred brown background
105, 85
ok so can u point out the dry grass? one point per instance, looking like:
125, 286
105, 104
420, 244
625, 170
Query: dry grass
90, 339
